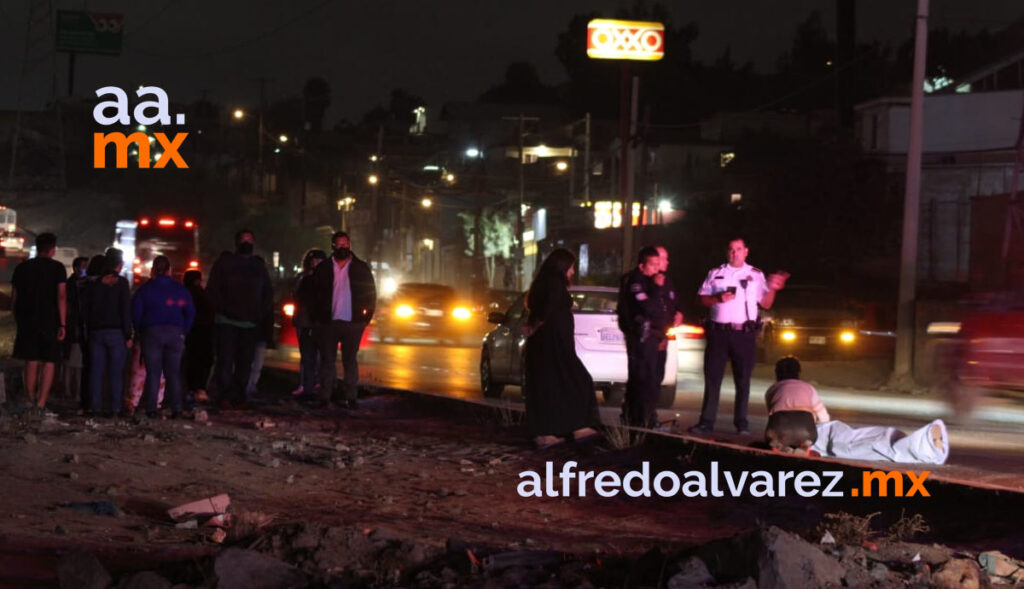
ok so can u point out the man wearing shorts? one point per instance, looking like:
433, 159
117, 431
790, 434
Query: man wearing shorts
40, 312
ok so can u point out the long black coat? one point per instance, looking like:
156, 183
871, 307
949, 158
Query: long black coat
559, 391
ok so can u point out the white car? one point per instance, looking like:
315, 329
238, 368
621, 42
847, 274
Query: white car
599, 344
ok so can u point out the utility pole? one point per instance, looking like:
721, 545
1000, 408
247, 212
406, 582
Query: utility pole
262, 81
626, 179
905, 330
586, 161
520, 228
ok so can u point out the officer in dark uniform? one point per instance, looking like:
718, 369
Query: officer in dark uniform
733, 292
643, 319
670, 300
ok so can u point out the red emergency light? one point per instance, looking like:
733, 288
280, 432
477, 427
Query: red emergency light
143, 222
189, 224
166, 222
193, 264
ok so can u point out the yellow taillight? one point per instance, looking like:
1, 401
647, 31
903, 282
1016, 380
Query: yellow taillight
788, 336
404, 311
289, 309
847, 337
461, 313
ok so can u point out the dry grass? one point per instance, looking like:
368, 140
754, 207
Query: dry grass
906, 528
620, 438
847, 528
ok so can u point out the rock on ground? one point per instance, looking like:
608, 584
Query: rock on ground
244, 569
82, 570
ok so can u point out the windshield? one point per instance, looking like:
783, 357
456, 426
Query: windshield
594, 302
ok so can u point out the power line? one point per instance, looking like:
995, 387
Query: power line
244, 43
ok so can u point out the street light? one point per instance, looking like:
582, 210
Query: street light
373, 179
561, 166
239, 113
472, 152
426, 203
282, 138
450, 178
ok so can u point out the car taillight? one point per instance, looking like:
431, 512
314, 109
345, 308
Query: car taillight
189, 224
289, 309
166, 222
686, 332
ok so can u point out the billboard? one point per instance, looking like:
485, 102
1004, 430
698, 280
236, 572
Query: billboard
625, 39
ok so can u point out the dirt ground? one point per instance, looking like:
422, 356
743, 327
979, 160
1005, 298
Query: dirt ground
423, 472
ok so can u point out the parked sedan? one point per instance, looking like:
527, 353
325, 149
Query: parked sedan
599, 344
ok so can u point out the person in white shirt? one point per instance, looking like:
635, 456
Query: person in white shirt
732, 292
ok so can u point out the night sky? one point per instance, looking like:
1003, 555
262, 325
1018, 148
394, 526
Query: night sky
442, 50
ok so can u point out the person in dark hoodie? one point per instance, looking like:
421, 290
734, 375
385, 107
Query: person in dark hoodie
309, 355
163, 313
341, 299
108, 322
239, 288
199, 341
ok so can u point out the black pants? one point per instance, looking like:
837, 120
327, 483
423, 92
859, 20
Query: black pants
328, 336
791, 428
236, 347
738, 348
644, 386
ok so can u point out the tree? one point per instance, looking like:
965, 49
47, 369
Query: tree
317, 97
522, 85
497, 236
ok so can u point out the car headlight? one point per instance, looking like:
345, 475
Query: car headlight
404, 311
788, 336
847, 337
289, 309
461, 313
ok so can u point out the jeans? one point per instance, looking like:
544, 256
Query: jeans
107, 355
258, 355
348, 334
309, 360
162, 347
236, 347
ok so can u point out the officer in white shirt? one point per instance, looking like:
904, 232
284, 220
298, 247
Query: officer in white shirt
733, 292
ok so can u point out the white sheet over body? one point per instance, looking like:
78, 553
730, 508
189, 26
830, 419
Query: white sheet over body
838, 440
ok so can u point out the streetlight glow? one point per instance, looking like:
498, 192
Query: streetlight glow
282, 138
450, 178
664, 206
472, 152
427, 203
373, 179
562, 166
239, 113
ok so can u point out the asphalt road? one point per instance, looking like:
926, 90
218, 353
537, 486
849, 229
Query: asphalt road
995, 429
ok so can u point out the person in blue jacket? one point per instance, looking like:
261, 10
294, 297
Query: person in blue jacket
162, 312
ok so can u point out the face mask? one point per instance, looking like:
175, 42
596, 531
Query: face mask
245, 248
342, 253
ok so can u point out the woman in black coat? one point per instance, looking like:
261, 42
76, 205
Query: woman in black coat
558, 391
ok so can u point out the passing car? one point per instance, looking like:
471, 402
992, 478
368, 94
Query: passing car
431, 312
810, 321
980, 350
599, 344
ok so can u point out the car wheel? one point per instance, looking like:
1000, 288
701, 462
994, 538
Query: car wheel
667, 396
614, 395
491, 389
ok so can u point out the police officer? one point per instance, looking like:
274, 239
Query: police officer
643, 319
733, 292
670, 300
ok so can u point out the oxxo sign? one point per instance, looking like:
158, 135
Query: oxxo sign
147, 112
625, 39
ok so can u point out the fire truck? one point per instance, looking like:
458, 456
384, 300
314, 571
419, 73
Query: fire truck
144, 239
